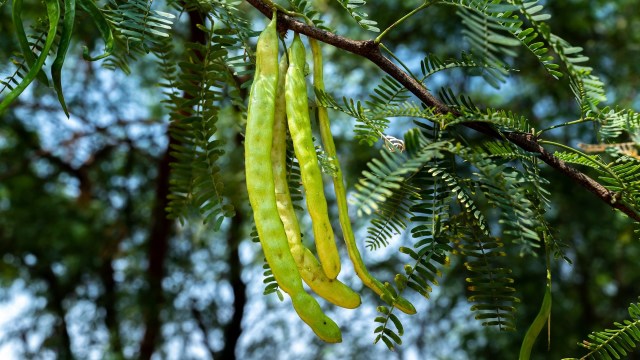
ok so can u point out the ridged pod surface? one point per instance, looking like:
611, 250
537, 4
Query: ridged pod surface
341, 197
260, 187
310, 269
300, 129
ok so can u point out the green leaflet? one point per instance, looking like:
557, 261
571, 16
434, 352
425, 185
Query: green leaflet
24, 43
614, 343
63, 46
103, 27
537, 325
359, 16
53, 13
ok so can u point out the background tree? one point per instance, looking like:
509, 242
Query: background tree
84, 228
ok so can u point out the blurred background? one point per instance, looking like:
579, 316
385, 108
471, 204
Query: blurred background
91, 268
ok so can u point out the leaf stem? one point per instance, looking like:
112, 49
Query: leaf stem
579, 121
591, 159
398, 60
424, 5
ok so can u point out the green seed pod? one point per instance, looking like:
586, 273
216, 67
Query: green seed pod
300, 129
341, 197
260, 187
332, 290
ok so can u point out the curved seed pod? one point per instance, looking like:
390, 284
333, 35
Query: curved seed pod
300, 129
103, 27
30, 58
341, 197
63, 46
331, 290
537, 325
53, 13
260, 187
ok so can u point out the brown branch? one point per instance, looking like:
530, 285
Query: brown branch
371, 51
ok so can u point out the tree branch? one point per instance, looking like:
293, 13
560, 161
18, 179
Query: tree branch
371, 51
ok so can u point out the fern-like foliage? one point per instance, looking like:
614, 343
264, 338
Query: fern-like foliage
387, 102
432, 64
588, 88
236, 27
294, 177
137, 28
439, 232
617, 342
579, 159
368, 128
391, 217
462, 190
391, 94
21, 69
390, 99
540, 198
502, 119
360, 17
385, 332
486, 23
303, 7
490, 285
427, 169
431, 250
388, 92
138, 23
530, 37
616, 123
621, 174
387, 174
506, 188
270, 284
493, 29
429, 213
624, 178
196, 180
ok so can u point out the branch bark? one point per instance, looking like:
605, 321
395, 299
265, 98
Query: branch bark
370, 50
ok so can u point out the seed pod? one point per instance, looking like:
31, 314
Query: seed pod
300, 129
332, 290
341, 197
260, 187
